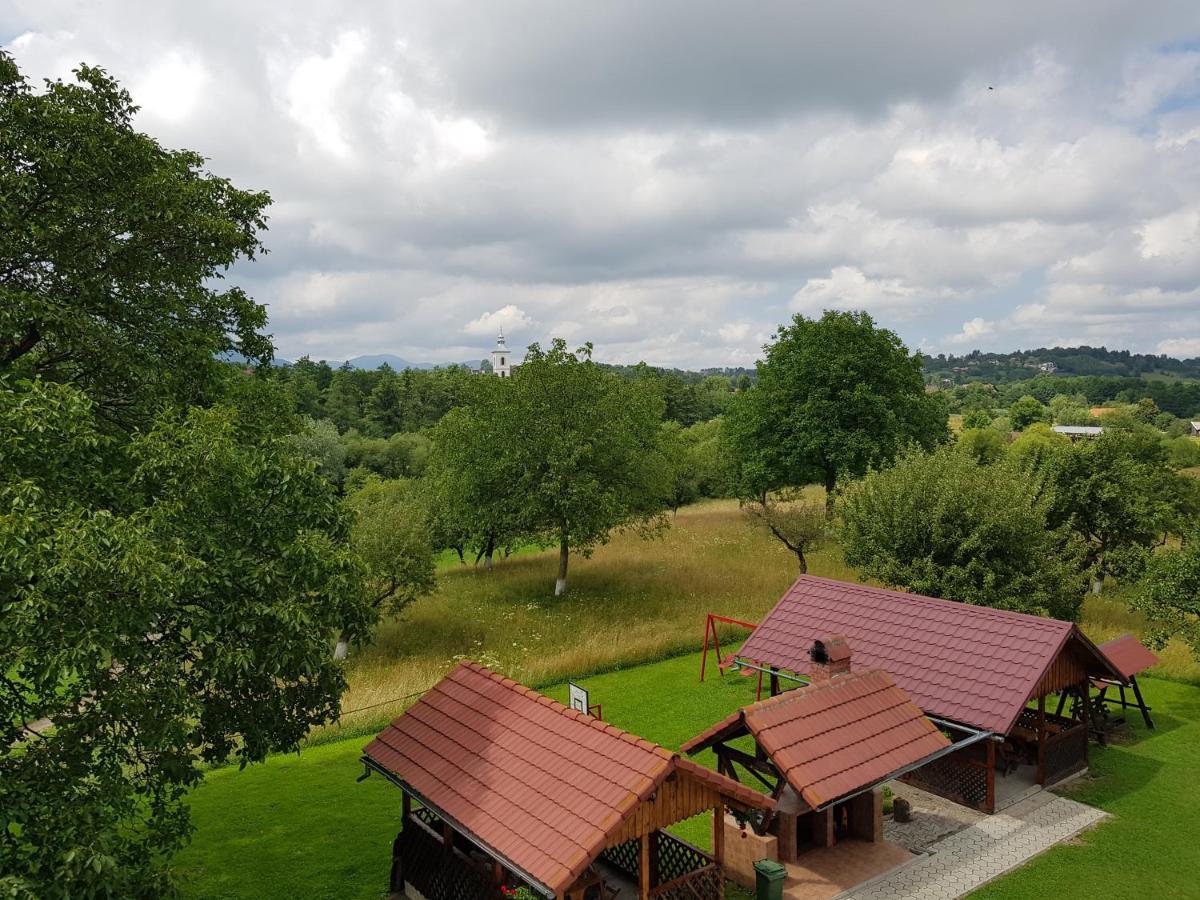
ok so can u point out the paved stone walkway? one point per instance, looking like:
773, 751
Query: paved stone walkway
934, 818
966, 859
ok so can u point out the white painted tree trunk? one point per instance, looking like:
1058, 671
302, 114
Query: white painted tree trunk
564, 551
343, 647
560, 585
1097, 585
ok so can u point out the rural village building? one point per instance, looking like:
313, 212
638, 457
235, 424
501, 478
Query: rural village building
823, 750
511, 788
1079, 432
984, 675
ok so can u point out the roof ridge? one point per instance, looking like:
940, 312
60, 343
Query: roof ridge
974, 608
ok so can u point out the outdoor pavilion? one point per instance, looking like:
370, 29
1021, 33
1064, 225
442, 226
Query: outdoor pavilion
981, 674
503, 786
823, 750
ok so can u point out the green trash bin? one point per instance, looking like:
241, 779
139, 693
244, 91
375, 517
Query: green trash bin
769, 877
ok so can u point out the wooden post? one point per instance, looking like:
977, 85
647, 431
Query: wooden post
991, 776
447, 835
1041, 733
1085, 703
644, 868
1137, 692
405, 806
718, 841
774, 681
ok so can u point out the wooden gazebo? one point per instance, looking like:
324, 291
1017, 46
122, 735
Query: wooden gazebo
984, 675
505, 787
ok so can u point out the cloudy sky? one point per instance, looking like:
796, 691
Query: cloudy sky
671, 179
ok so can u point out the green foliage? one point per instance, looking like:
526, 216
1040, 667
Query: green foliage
391, 535
834, 396
697, 461
1183, 452
1115, 491
940, 524
977, 418
1074, 410
1169, 595
166, 601
984, 445
798, 524
318, 441
1025, 411
563, 451
111, 251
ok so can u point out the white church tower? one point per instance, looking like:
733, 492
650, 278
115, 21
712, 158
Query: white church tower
501, 358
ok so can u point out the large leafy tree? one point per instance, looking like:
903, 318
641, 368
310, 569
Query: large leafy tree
164, 601
564, 451
583, 457
112, 251
834, 396
172, 571
943, 525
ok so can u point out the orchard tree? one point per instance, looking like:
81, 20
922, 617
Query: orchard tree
579, 451
1169, 595
798, 524
834, 396
943, 525
113, 249
390, 533
1115, 491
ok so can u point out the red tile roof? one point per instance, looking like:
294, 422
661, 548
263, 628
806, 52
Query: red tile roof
542, 785
970, 664
1128, 655
836, 737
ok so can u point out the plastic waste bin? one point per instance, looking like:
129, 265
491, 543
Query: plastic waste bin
769, 877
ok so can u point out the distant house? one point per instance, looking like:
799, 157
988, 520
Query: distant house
1079, 432
1048, 368
1196, 429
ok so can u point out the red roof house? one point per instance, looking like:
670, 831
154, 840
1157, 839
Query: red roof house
974, 669
541, 790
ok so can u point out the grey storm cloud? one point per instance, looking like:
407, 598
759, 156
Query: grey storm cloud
673, 179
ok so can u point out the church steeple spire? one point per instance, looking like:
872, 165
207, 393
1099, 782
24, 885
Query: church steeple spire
501, 359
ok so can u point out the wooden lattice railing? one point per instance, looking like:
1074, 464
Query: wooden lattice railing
684, 872
961, 776
438, 871
1065, 753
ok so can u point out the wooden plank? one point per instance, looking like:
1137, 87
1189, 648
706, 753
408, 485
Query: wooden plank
644, 869
719, 833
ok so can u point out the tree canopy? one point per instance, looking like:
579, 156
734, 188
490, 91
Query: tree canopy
834, 396
943, 525
113, 249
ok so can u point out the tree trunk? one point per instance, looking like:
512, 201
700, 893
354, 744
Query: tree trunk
488, 551
564, 550
343, 646
458, 548
830, 484
803, 562
1097, 584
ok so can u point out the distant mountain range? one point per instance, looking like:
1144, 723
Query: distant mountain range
398, 363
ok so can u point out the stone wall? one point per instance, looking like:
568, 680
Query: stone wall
743, 848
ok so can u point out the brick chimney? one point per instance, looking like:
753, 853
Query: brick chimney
830, 657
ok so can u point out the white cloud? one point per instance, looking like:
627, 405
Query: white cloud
973, 331
673, 195
1183, 348
509, 318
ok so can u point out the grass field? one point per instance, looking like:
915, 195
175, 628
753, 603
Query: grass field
302, 826
633, 601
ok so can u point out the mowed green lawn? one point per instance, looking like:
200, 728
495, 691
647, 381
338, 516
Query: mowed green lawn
301, 826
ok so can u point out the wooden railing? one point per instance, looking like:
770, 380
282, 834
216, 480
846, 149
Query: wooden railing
684, 872
439, 871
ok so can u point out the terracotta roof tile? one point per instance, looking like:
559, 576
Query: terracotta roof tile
1128, 655
971, 664
543, 785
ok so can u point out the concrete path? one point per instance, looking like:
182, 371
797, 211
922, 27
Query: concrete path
966, 859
